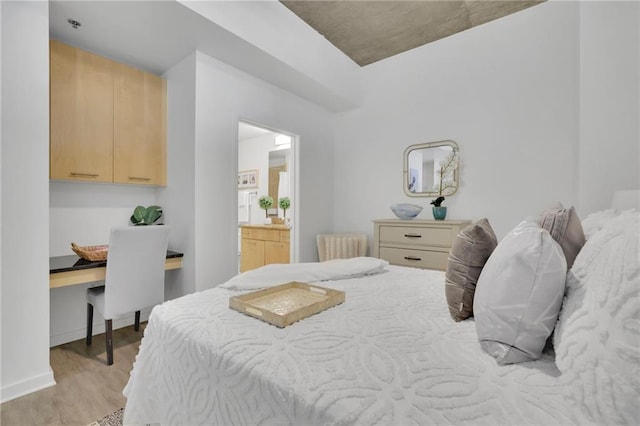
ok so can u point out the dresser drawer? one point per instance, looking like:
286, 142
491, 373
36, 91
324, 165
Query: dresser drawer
418, 243
425, 259
261, 234
419, 235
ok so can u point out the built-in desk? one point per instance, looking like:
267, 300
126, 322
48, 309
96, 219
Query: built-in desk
72, 269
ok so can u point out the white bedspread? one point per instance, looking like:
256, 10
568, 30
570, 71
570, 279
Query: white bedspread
389, 355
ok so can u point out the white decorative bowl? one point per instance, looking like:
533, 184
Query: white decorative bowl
406, 211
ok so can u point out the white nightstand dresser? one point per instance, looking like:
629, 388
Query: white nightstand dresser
418, 243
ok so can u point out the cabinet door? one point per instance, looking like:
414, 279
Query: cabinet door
251, 254
276, 252
139, 144
81, 115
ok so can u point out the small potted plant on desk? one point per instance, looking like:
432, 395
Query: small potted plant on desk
265, 203
284, 204
146, 215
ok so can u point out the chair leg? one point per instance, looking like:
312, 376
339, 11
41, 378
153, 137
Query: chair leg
89, 323
136, 325
109, 330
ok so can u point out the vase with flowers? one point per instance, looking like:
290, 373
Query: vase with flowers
445, 184
439, 211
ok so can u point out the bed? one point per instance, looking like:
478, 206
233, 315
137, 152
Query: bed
392, 355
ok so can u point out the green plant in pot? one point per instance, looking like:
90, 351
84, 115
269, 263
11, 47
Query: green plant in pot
284, 204
265, 202
146, 215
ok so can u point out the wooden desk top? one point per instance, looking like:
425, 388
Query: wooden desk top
73, 262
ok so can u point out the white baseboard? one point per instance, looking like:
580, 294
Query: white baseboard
98, 328
32, 384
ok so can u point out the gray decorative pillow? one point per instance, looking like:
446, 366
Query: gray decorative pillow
519, 294
565, 227
470, 251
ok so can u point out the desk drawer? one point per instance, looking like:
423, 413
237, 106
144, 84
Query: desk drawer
426, 259
423, 235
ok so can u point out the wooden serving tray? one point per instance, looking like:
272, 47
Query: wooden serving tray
285, 304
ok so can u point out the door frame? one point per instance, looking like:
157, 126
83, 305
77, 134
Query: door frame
294, 171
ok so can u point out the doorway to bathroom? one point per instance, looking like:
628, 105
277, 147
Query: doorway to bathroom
266, 172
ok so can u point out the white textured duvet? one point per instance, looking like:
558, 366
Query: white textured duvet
389, 355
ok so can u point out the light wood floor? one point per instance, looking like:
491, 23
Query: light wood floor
87, 388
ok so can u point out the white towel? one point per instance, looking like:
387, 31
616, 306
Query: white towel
283, 185
281, 273
243, 198
243, 206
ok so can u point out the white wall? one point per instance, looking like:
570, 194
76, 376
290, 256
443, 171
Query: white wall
25, 195
224, 96
609, 98
505, 91
178, 198
85, 212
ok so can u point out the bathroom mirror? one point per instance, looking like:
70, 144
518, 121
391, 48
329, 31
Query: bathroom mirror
431, 169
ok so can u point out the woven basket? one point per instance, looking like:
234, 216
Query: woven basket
92, 253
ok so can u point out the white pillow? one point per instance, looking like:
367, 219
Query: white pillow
597, 339
519, 294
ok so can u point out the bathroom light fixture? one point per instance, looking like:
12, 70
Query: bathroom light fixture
75, 24
283, 140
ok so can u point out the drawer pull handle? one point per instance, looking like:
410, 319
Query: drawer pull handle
139, 178
413, 235
84, 174
412, 258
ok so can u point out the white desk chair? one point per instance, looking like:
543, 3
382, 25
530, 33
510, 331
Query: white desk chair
341, 246
134, 278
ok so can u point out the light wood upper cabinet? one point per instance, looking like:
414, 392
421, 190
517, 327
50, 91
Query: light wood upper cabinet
139, 147
108, 120
81, 133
